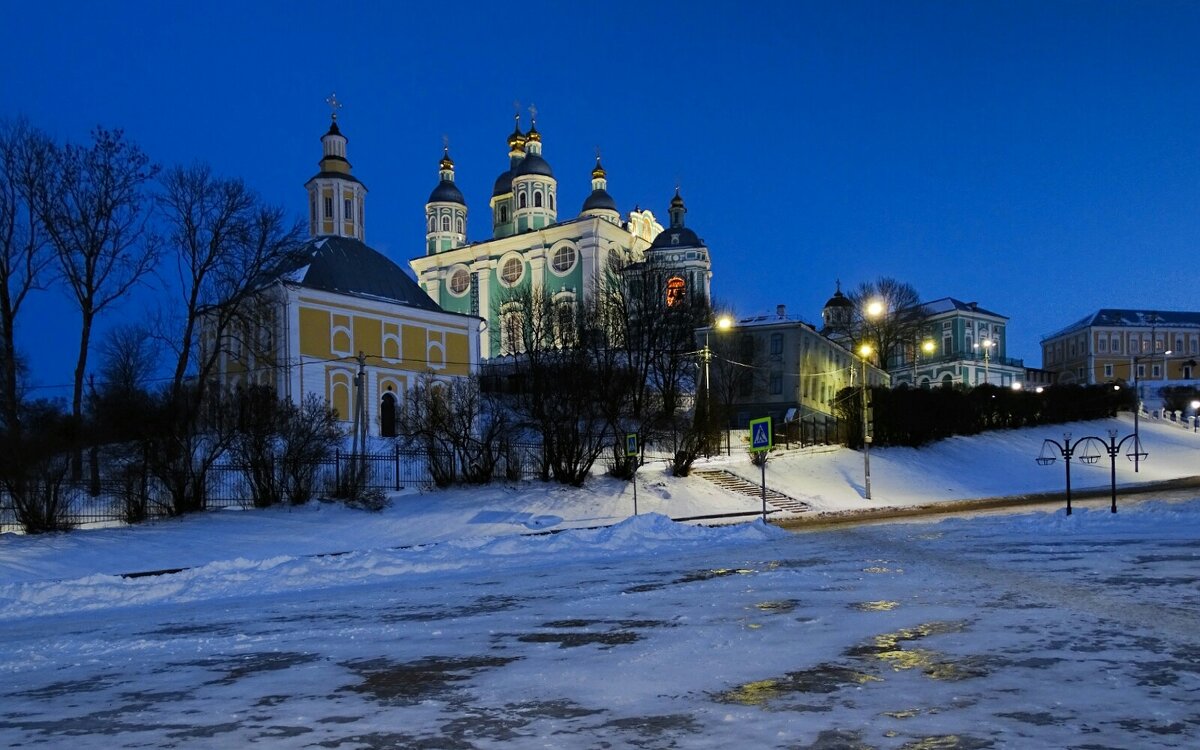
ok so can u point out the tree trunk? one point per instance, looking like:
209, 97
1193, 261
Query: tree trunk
85, 335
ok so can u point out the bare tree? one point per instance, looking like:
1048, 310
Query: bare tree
224, 240
656, 335
128, 359
94, 208
24, 254
897, 324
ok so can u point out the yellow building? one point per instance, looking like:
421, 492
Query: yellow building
339, 306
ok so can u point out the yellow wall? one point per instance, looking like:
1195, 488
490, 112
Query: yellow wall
314, 333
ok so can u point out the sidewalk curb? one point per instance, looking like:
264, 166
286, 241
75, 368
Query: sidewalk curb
950, 507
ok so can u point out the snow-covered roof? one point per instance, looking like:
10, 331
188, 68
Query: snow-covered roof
1116, 318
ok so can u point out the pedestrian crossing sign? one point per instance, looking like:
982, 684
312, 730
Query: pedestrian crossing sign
761, 437
631, 444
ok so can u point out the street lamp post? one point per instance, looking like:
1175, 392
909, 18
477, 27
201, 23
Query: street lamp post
864, 351
723, 323
1137, 412
1195, 415
986, 345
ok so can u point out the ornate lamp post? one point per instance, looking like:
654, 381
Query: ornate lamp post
1090, 446
1195, 415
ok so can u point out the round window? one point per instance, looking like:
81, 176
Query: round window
460, 280
510, 274
564, 259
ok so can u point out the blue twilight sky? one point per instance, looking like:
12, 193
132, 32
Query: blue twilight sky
1040, 158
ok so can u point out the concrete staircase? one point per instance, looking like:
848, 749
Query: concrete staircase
734, 483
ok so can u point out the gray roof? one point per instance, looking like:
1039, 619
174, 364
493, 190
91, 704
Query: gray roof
949, 304
686, 238
347, 266
1114, 318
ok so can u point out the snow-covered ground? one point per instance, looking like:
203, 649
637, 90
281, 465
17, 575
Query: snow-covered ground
449, 621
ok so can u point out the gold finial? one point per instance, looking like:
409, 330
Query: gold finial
334, 105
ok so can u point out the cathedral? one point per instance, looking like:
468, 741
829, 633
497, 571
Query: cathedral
530, 249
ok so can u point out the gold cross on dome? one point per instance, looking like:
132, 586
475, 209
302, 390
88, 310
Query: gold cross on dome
334, 105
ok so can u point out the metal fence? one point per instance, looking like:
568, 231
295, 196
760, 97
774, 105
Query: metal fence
228, 485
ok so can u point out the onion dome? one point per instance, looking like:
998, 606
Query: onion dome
677, 235
503, 184
838, 299
599, 199
446, 191
516, 139
533, 164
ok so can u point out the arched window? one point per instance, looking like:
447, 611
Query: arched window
445, 223
432, 224
387, 414
550, 197
537, 199
676, 288
521, 201
459, 226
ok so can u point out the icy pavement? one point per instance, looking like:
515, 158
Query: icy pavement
1027, 631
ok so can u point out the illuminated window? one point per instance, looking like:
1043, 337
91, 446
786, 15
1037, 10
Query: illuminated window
676, 288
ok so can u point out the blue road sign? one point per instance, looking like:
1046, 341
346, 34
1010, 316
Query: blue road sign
631, 444
761, 437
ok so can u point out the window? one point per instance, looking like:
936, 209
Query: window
512, 332
776, 343
1155, 371
459, 226
1108, 371
563, 260
511, 271
521, 201
1116, 343
1178, 343
347, 210
947, 345
676, 289
1102, 344
550, 197
1141, 371
537, 199
312, 206
460, 281
445, 223
504, 214
432, 223
328, 207
776, 383
387, 414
